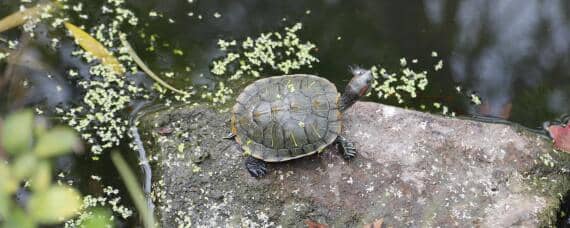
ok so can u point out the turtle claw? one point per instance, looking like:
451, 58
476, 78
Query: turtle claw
346, 148
230, 136
256, 167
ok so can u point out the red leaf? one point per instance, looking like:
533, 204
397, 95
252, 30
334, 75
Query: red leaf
561, 137
313, 224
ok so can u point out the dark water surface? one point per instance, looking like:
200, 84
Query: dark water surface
514, 55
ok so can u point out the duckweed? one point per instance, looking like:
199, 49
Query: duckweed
110, 198
281, 51
396, 85
475, 99
406, 83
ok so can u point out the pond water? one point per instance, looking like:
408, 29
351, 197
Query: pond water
515, 57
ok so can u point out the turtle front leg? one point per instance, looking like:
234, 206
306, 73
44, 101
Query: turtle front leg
256, 167
345, 147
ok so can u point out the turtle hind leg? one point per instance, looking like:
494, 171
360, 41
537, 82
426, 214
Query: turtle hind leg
256, 167
345, 147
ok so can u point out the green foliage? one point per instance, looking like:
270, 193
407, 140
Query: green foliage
28, 162
42, 178
48, 207
18, 219
22, 167
4, 205
98, 218
17, 131
55, 142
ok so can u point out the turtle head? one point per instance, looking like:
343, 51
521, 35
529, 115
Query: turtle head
360, 82
356, 88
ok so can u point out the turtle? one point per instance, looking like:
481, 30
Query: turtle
281, 118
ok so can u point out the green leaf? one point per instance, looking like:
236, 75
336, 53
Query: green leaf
24, 166
19, 219
134, 189
55, 205
5, 205
42, 177
8, 185
55, 142
17, 131
97, 218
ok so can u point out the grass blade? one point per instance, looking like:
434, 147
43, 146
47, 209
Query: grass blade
145, 68
133, 188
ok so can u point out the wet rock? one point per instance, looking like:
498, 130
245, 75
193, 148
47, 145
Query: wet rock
413, 169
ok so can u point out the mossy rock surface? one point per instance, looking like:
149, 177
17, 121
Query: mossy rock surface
413, 170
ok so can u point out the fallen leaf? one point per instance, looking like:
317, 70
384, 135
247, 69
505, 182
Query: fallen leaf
165, 130
19, 18
313, 224
561, 136
93, 47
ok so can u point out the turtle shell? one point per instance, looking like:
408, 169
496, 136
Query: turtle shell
286, 117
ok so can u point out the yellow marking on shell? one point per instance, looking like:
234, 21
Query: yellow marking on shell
243, 120
276, 109
246, 151
294, 107
290, 86
249, 142
315, 130
272, 134
311, 85
316, 103
293, 138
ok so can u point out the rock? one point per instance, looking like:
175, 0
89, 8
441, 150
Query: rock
413, 169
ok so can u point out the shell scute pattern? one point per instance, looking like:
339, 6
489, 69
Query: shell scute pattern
285, 117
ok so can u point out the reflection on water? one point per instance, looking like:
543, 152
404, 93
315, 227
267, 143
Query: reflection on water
505, 49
